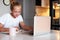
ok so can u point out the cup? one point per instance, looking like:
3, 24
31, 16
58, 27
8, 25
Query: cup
12, 31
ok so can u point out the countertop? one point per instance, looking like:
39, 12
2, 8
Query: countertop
54, 35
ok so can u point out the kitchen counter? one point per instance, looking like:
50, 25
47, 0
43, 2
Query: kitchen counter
54, 35
19, 36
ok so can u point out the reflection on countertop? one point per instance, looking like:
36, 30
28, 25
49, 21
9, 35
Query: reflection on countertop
54, 35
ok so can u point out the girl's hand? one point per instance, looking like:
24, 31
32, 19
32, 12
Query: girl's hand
17, 28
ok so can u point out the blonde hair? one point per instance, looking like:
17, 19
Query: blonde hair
14, 4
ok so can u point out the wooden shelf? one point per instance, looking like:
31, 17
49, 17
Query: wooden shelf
42, 7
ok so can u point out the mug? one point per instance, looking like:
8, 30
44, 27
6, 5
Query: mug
12, 31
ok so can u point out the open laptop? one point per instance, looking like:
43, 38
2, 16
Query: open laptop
41, 25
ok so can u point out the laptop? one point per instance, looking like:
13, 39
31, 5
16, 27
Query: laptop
42, 25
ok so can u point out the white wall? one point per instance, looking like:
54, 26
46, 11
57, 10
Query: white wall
3, 9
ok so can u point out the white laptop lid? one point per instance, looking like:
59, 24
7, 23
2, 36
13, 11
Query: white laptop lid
41, 25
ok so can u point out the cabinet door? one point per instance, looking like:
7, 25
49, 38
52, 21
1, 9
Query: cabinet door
55, 15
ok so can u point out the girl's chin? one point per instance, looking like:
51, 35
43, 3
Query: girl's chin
16, 16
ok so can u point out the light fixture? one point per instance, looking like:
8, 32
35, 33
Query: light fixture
58, 4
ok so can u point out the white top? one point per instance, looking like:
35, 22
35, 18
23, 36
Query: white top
8, 21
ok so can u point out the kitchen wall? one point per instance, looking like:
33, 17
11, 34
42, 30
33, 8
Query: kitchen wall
3, 9
29, 11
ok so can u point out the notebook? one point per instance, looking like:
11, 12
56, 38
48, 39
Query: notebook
42, 25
